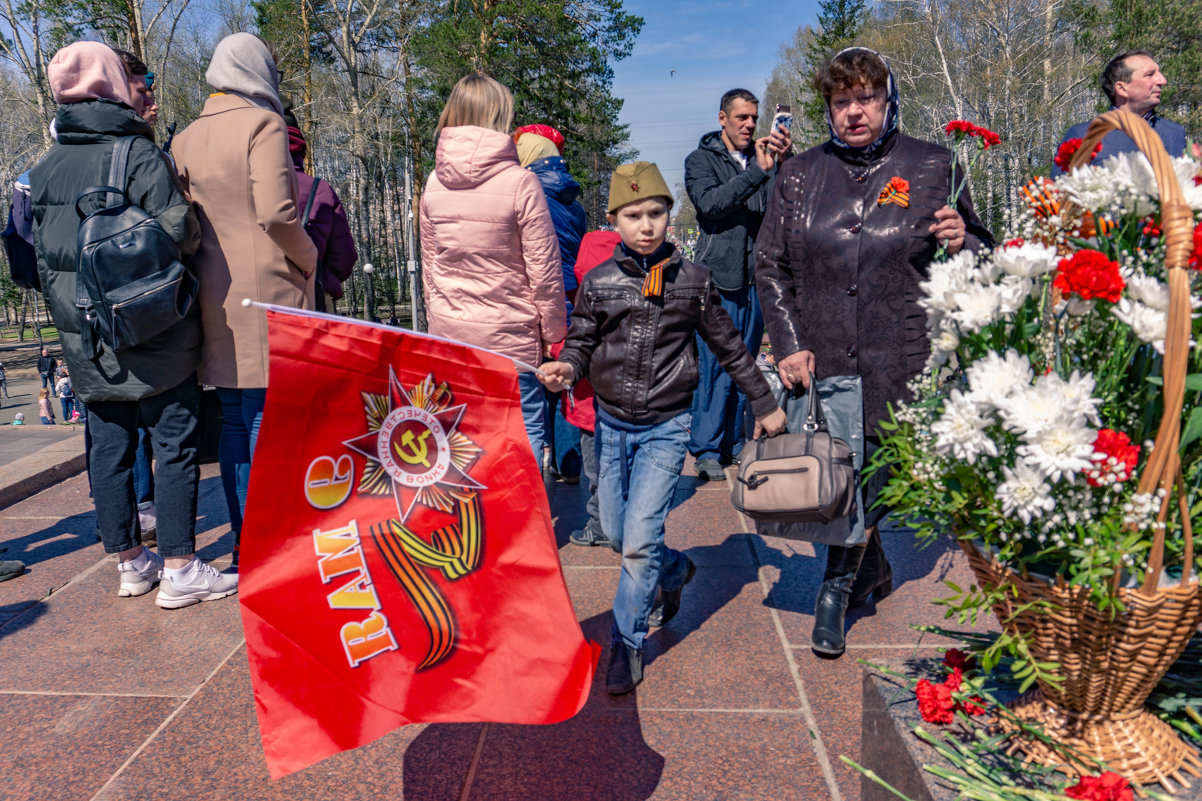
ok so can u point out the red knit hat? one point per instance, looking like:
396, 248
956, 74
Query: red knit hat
542, 130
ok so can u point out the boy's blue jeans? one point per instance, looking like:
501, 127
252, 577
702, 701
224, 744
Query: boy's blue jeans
638, 475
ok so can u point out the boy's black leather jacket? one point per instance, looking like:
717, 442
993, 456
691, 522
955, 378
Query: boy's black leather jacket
641, 353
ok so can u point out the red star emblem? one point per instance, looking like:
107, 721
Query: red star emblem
414, 448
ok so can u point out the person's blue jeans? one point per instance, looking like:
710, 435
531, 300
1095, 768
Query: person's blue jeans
718, 404
68, 407
638, 474
241, 415
534, 413
172, 418
143, 472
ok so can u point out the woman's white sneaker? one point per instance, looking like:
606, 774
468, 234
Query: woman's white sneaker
138, 576
193, 583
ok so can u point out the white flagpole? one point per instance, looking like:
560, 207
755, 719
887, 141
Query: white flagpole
248, 303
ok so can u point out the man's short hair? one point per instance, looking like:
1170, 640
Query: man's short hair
1117, 70
849, 68
728, 99
133, 64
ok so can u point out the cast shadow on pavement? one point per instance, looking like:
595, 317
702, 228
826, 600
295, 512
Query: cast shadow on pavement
19, 615
800, 574
599, 753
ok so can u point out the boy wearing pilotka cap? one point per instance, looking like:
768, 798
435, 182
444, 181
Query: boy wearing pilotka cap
633, 335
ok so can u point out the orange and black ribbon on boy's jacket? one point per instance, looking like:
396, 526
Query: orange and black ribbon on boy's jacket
897, 191
405, 567
653, 284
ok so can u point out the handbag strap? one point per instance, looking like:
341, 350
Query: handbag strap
815, 419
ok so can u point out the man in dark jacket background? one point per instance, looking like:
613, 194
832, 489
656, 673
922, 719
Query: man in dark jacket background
729, 179
47, 365
1132, 81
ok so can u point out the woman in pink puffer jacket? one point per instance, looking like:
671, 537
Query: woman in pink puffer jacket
491, 269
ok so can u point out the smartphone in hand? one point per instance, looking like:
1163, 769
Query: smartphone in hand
783, 118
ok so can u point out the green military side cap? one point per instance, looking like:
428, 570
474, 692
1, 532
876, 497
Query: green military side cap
636, 181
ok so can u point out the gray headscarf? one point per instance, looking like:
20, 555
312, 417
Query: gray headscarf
243, 66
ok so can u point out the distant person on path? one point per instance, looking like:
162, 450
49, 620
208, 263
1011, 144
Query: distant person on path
728, 178
234, 164
45, 408
327, 224
543, 157
66, 395
643, 300
47, 364
1132, 81
152, 384
4, 380
838, 267
492, 275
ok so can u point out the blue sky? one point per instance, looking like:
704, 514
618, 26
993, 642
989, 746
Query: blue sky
713, 45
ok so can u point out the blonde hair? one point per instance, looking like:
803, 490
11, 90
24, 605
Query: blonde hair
478, 100
45, 393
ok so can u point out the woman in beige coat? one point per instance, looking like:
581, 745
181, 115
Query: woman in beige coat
234, 163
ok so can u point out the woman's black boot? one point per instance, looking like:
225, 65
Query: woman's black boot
841, 566
875, 578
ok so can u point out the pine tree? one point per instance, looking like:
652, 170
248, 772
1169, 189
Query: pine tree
840, 21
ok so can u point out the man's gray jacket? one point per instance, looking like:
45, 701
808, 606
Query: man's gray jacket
730, 203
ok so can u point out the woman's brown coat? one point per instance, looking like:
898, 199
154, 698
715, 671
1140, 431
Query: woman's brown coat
234, 163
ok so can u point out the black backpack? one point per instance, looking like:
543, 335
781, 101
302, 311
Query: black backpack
131, 285
18, 242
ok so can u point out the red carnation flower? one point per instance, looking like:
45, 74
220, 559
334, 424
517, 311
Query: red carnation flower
1068, 149
1195, 258
1088, 274
974, 706
1114, 458
958, 660
959, 127
1108, 787
935, 702
1017, 242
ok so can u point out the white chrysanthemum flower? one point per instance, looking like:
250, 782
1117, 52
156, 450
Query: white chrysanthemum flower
1058, 451
1135, 181
946, 340
1090, 188
1028, 260
1025, 493
1147, 290
996, 377
976, 307
1012, 293
960, 430
1148, 324
1186, 169
1076, 394
947, 279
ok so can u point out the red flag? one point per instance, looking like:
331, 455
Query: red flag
398, 561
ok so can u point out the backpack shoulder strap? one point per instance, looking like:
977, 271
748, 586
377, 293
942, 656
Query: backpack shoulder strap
118, 168
309, 203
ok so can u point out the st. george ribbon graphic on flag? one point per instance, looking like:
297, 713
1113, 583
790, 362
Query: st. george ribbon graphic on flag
398, 561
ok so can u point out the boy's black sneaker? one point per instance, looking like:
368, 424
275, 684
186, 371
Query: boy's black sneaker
588, 536
625, 669
709, 470
670, 601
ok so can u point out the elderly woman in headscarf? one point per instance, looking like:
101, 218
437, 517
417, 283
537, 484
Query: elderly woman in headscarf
838, 262
152, 384
234, 162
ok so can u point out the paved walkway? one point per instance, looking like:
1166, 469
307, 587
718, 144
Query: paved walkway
112, 698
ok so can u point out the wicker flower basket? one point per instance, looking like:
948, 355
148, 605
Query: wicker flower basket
1111, 665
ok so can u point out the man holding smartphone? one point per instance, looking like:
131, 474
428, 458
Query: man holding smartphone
729, 179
